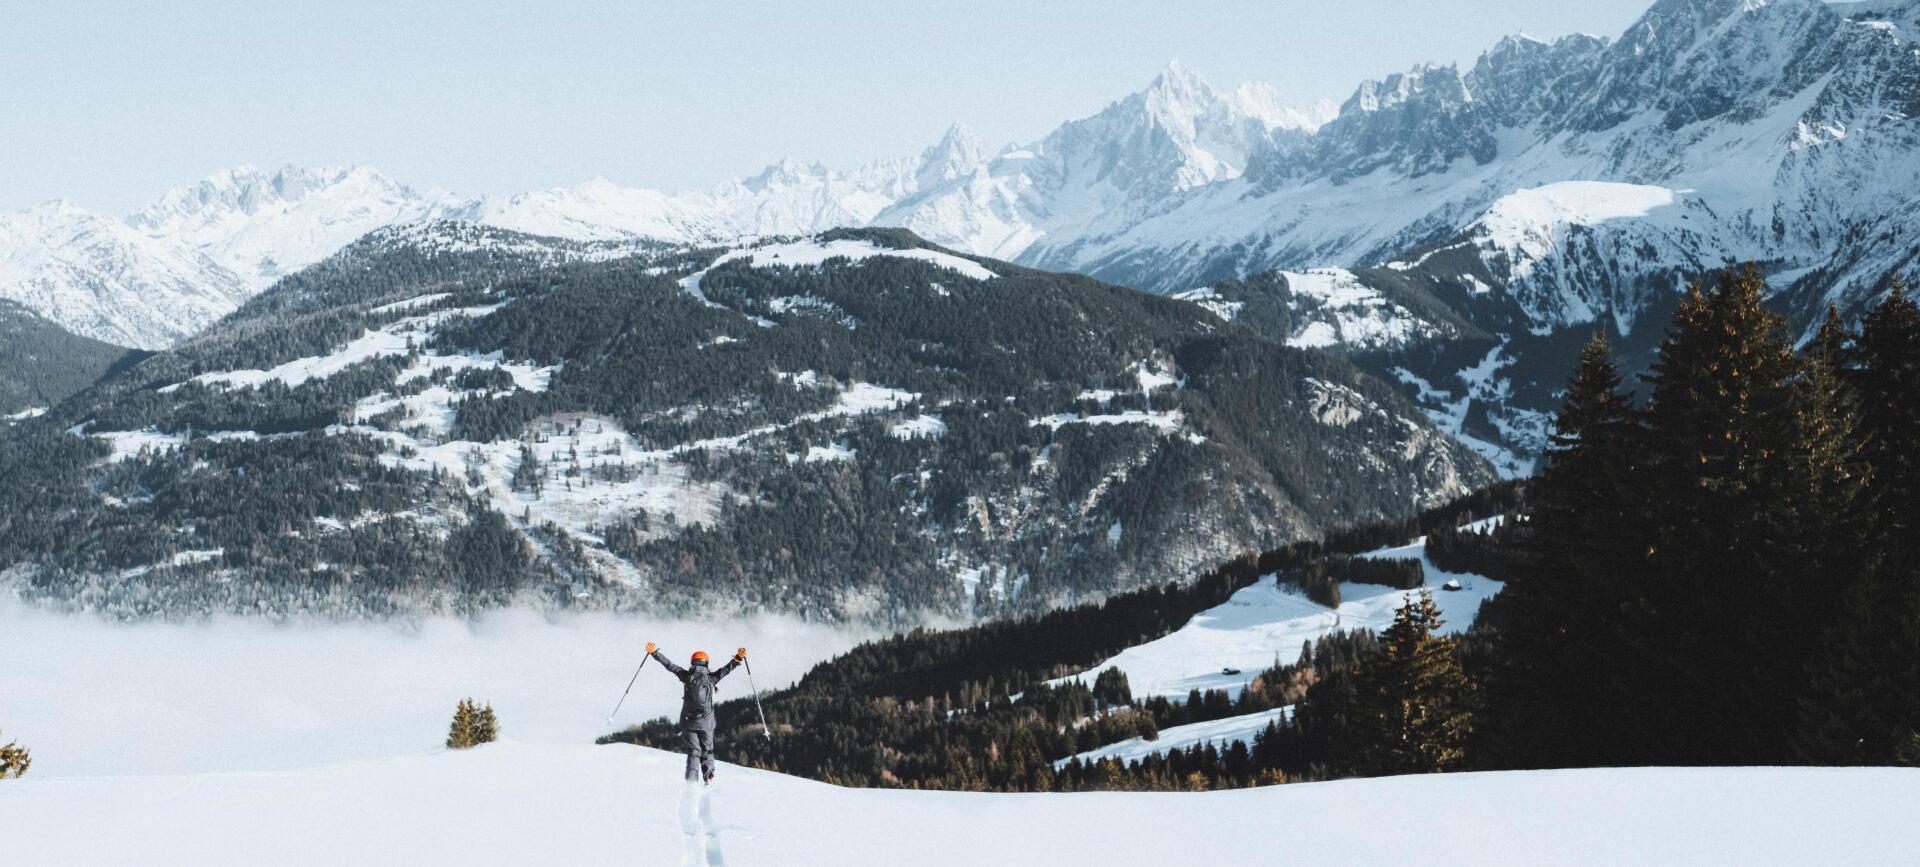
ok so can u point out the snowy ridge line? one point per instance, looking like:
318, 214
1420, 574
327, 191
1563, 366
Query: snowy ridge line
815, 253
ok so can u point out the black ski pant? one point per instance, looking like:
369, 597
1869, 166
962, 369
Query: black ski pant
699, 738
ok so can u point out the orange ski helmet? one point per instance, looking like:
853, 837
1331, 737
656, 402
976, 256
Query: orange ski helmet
699, 656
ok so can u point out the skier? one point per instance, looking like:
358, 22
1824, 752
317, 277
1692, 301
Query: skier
696, 707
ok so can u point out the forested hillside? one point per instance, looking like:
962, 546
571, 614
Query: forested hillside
852, 426
42, 363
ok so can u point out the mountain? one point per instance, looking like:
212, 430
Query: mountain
1549, 190
103, 279
42, 364
852, 426
1099, 175
1558, 189
261, 226
201, 249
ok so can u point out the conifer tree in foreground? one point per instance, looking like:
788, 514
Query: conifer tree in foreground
1753, 489
1740, 530
1864, 706
1415, 709
473, 725
1885, 380
1555, 620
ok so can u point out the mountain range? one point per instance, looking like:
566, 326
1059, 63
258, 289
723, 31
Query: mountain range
1454, 230
851, 426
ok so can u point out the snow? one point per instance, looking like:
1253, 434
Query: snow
185, 557
919, 426
658, 483
814, 253
29, 412
412, 303
835, 452
128, 444
1151, 378
518, 803
691, 285
1165, 421
395, 339
1333, 307
1221, 733
1206, 297
1529, 224
1267, 623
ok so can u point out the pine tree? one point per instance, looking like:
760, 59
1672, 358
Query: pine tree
1886, 381
1865, 697
1753, 488
14, 760
473, 725
1555, 615
1110, 686
1415, 702
1833, 342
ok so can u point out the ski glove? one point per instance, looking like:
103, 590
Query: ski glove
651, 647
742, 655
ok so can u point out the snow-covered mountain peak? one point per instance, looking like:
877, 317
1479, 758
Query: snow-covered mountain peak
100, 278
1178, 92
958, 154
1402, 88
789, 171
262, 225
52, 211
247, 191
1259, 100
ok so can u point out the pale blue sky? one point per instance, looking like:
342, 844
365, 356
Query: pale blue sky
109, 104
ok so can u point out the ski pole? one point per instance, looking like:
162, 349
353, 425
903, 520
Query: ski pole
756, 702
623, 695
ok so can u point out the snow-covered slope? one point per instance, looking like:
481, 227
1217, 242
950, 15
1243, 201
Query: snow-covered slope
519, 803
1267, 624
1221, 733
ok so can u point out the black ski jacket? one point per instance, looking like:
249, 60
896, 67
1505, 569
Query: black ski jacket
696, 707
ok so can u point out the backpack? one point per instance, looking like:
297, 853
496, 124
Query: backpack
699, 693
